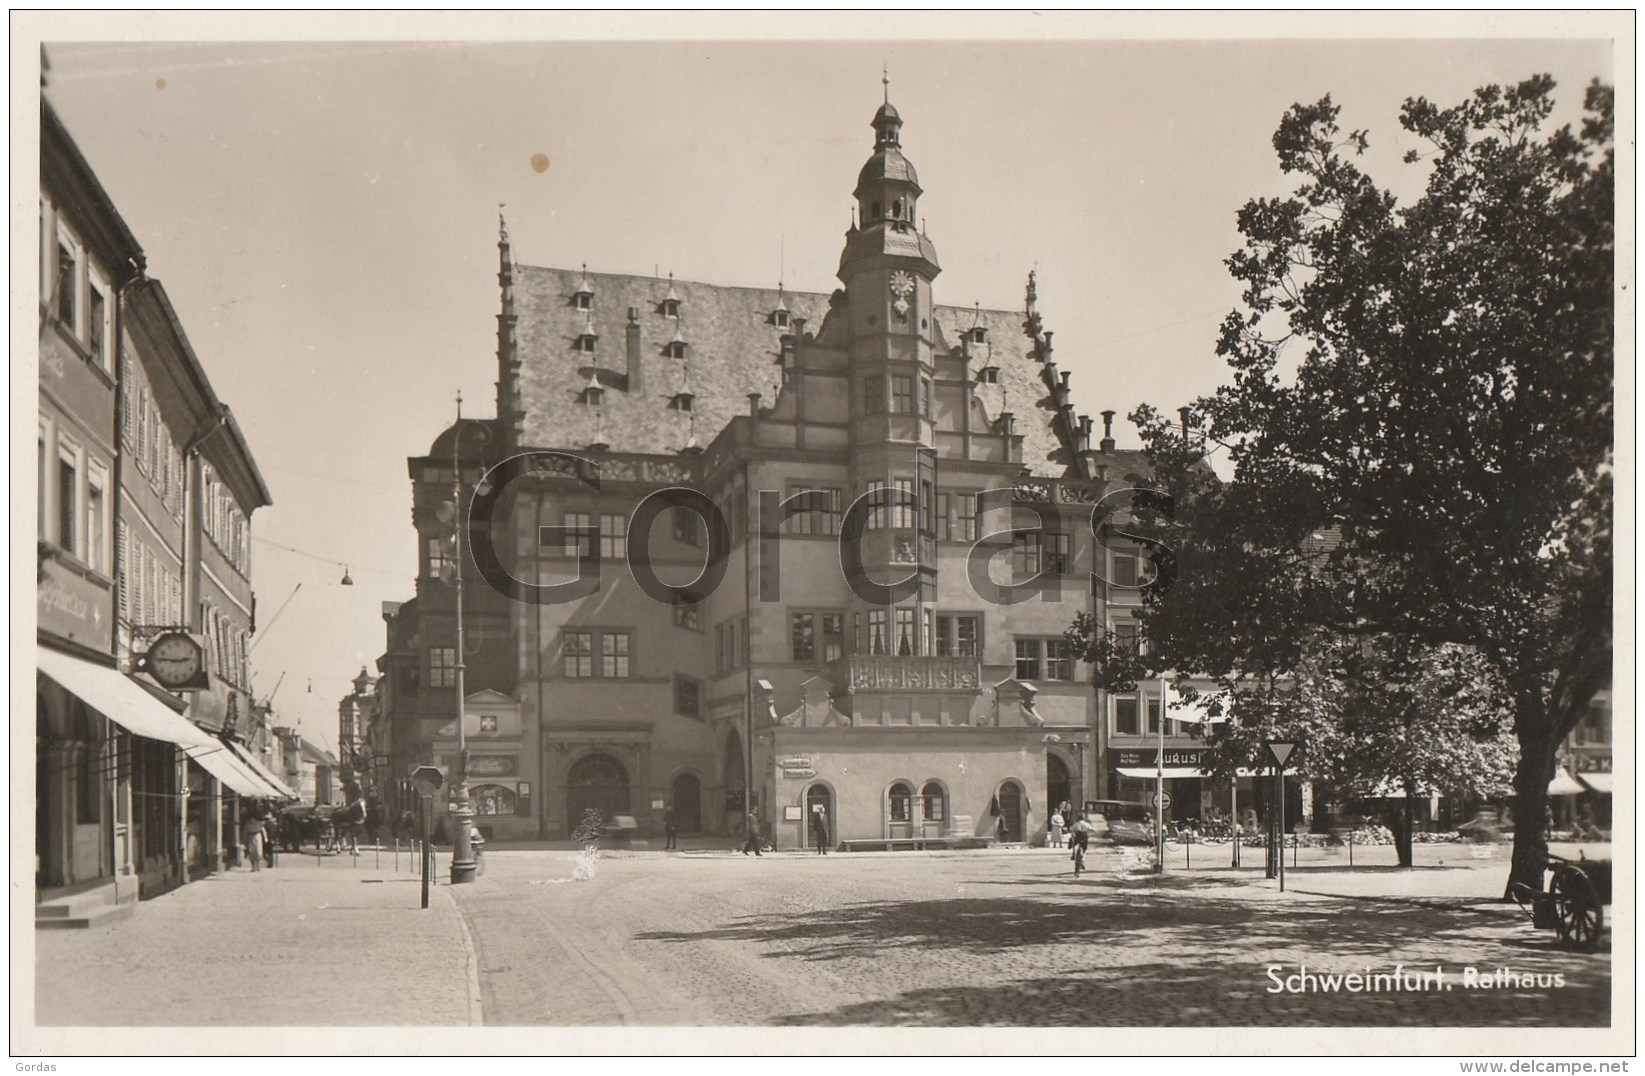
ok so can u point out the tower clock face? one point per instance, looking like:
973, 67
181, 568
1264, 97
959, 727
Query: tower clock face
174, 659
902, 286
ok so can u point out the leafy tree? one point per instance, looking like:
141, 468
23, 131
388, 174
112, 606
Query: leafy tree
1419, 420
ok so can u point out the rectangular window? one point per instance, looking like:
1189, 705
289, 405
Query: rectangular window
958, 512
688, 527
579, 542
122, 546
97, 328
957, 635
68, 284
1125, 718
96, 519
879, 631
614, 653
687, 615
1025, 554
688, 697
802, 636
1125, 570
438, 562
902, 504
930, 399
442, 666
142, 419
1028, 659
1059, 660
906, 643
613, 537
488, 722
831, 627
68, 496
873, 395
577, 650
902, 394
1153, 715
1056, 554
819, 519
1125, 636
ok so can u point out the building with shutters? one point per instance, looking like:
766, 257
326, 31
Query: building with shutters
646, 427
146, 489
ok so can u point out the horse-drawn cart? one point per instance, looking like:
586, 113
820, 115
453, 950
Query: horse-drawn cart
1574, 903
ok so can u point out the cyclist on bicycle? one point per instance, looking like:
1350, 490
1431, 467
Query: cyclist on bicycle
1079, 836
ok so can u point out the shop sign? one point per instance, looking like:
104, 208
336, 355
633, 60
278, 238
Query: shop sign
1132, 758
72, 607
492, 765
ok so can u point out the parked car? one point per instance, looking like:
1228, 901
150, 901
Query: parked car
1123, 823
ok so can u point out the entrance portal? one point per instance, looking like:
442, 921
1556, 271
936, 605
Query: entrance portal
688, 803
1059, 786
1012, 824
598, 782
818, 796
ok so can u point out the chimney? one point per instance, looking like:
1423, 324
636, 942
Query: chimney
636, 375
753, 405
1085, 433
1045, 349
1107, 431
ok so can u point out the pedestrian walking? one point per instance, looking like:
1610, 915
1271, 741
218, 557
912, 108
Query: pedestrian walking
669, 828
752, 843
269, 829
819, 830
251, 841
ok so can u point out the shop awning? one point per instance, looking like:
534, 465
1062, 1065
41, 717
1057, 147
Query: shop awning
221, 763
1599, 782
263, 771
1564, 784
1151, 772
121, 700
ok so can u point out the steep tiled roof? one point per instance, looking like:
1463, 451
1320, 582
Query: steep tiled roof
731, 351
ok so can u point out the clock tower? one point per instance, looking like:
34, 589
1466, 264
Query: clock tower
887, 268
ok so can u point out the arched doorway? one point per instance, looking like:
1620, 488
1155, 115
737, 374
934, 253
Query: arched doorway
688, 803
818, 796
597, 781
1012, 824
1059, 784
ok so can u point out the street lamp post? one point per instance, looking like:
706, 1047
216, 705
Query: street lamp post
463, 864
1280, 750
1159, 788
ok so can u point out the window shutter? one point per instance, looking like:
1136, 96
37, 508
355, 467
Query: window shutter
123, 571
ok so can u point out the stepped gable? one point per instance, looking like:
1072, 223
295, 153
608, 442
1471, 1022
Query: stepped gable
731, 351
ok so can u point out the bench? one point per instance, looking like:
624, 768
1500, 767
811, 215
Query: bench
895, 844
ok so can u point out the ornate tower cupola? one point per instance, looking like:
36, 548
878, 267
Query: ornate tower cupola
887, 194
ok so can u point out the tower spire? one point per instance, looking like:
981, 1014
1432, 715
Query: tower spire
885, 77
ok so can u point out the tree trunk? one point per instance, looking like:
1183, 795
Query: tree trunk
1536, 769
1402, 833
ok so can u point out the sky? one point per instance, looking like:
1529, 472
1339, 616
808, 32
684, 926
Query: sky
323, 213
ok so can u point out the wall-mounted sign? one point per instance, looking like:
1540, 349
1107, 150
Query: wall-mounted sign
799, 773
492, 765
793, 813
1132, 757
795, 763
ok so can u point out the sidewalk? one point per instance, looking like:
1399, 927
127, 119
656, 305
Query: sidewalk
312, 942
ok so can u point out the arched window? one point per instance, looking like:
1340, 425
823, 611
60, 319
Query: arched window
902, 797
934, 797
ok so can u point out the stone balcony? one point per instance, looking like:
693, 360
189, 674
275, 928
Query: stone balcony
885, 672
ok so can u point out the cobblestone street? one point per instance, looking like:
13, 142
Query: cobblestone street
706, 938
1007, 939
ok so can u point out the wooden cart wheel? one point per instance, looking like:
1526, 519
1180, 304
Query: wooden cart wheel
1578, 908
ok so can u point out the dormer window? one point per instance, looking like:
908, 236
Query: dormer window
976, 335
669, 308
674, 349
988, 375
583, 300
681, 401
585, 343
779, 318
594, 395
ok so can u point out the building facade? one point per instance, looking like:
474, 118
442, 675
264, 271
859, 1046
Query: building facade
133, 781
891, 505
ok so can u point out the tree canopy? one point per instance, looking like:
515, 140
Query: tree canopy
1419, 421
